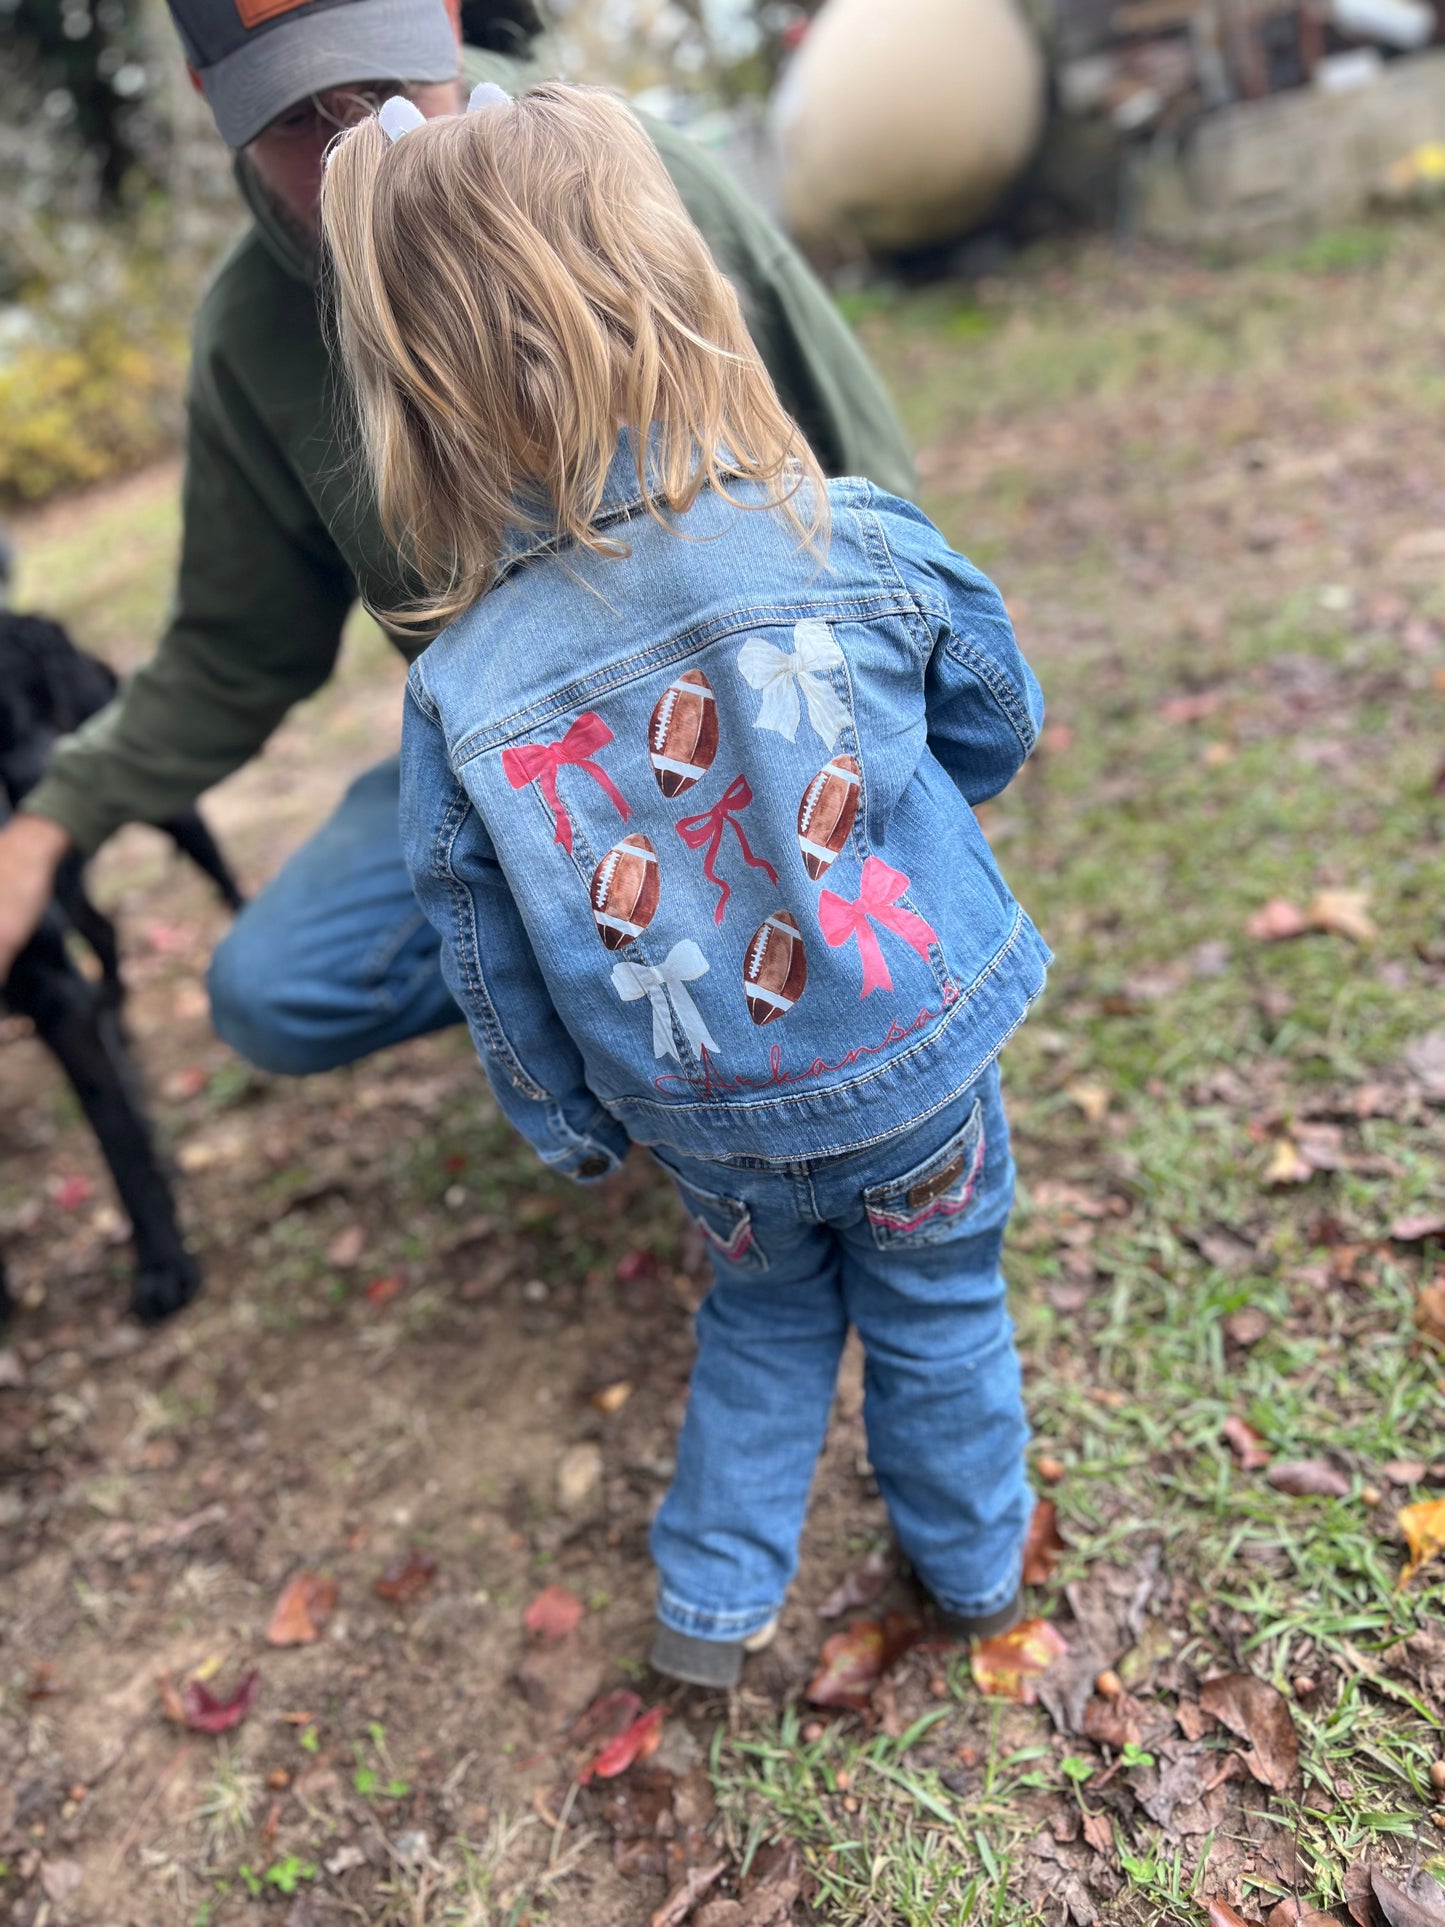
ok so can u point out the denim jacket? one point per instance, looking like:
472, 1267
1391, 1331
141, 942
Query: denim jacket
695, 826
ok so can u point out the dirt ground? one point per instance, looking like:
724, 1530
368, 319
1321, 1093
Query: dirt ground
1216, 505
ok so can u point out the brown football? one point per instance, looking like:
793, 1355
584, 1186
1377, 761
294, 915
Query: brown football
682, 737
624, 891
775, 970
826, 813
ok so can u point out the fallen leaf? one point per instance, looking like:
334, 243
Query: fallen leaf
1405, 1471
1414, 1230
72, 1192
1246, 1326
1247, 1445
1277, 921
1423, 1525
1419, 1903
60, 1881
1309, 1479
607, 1716
612, 1398
1430, 1312
1287, 1164
1425, 1060
1359, 1895
1192, 708
852, 1662
43, 1684
683, 1898
1091, 1097
1289, 1913
1043, 1544
381, 1291
635, 1265
1008, 1666
407, 1577
346, 1247
305, 1605
1341, 913
198, 1707
859, 1588
1256, 1712
1221, 1914
553, 1615
1099, 1832
1113, 1722
635, 1742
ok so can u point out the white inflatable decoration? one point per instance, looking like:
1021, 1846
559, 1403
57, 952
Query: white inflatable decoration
904, 122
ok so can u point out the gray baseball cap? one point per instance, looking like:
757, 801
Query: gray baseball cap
256, 58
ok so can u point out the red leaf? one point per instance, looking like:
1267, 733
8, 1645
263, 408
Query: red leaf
1221, 1914
72, 1192
381, 1291
1277, 921
1246, 1444
852, 1662
204, 1713
407, 1578
1309, 1479
636, 1742
608, 1714
553, 1615
1008, 1666
860, 1587
304, 1607
1043, 1544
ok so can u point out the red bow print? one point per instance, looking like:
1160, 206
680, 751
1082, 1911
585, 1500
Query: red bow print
878, 899
697, 830
540, 762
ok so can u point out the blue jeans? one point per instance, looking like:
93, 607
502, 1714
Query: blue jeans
903, 1242
334, 959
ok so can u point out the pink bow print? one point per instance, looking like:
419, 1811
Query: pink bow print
540, 762
877, 899
708, 828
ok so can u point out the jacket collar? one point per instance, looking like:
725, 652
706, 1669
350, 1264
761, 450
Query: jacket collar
622, 497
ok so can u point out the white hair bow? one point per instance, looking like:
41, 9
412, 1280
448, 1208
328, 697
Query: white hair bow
780, 674
398, 115
685, 962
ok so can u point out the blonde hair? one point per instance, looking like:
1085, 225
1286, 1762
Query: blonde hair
511, 286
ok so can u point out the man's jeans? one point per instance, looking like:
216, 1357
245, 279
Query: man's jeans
334, 959
903, 1242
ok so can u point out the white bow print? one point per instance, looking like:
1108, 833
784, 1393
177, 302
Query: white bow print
684, 963
780, 676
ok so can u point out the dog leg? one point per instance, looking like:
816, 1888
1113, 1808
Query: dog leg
84, 1033
92, 924
190, 835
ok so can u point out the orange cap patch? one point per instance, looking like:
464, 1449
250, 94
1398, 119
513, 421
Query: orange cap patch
255, 13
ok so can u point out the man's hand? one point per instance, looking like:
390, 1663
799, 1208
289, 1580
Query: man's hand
32, 849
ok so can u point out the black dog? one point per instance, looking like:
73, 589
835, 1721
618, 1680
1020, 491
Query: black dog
47, 688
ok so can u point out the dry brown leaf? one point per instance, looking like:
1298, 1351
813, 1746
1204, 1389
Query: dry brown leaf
1342, 913
1009, 1666
1099, 1832
1359, 1895
1091, 1097
860, 1587
1043, 1544
1259, 1713
1113, 1722
612, 1398
1430, 1312
346, 1247
1418, 1903
853, 1662
1287, 1164
305, 1605
683, 1898
407, 1577
1246, 1444
1221, 1914
1414, 1230
1423, 1525
1289, 1913
1309, 1479
1277, 921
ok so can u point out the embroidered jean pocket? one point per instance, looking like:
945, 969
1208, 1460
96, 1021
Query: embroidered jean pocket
725, 1223
928, 1203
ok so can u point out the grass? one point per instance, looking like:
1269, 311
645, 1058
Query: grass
1087, 420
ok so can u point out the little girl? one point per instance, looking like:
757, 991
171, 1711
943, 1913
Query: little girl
687, 786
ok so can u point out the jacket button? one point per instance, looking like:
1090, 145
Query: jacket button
593, 1167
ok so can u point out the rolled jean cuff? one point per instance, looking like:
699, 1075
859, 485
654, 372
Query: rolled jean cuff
980, 1605
700, 1623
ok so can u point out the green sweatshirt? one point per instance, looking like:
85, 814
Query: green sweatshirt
277, 540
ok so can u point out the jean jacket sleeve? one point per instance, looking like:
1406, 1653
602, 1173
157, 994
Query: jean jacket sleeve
985, 707
534, 1068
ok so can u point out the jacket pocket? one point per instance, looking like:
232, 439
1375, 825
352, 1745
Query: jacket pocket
725, 1223
927, 1204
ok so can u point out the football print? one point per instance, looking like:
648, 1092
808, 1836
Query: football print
624, 891
775, 969
826, 814
682, 737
